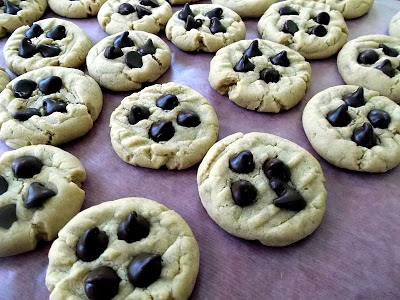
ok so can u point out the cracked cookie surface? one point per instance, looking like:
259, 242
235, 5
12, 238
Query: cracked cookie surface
60, 172
4, 79
394, 28
247, 9
76, 8
168, 237
350, 9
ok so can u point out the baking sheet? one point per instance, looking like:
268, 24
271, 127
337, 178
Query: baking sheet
355, 253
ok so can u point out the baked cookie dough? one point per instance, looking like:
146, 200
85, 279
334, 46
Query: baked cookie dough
52, 105
49, 42
313, 29
350, 9
354, 128
205, 27
260, 75
16, 13
40, 191
76, 8
4, 79
248, 8
259, 186
372, 61
145, 15
131, 248
124, 61
394, 28
164, 125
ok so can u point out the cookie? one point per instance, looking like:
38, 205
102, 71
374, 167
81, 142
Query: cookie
76, 8
145, 15
313, 29
394, 28
350, 9
205, 27
247, 9
354, 128
49, 42
167, 125
131, 248
372, 61
259, 186
124, 61
4, 79
260, 75
17, 13
40, 191
52, 105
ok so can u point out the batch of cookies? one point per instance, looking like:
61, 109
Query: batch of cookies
136, 248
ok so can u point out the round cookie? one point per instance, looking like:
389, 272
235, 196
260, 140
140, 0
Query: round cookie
52, 105
145, 15
394, 28
313, 29
350, 9
16, 13
248, 8
76, 8
49, 42
372, 61
40, 191
164, 125
205, 27
131, 248
354, 128
259, 186
4, 79
260, 75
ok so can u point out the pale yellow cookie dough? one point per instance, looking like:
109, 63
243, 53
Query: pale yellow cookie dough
4, 79
394, 28
350, 9
76, 8
247, 8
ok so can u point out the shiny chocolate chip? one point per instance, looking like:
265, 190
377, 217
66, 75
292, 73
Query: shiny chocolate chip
322, 18
8, 215
185, 12
102, 283
244, 65
216, 26
134, 228
48, 50
26, 114
188, 118
191, 23
290, 199
242, 162
355, 99
3, 185
57, 33
319, 31
11, 8
148, 48
150, 3
215, 13
290, 27
26, 166
281, 59
142, 11
37, 195
379, 118
113, 52
368, 57
253, 50
386, 68
91, 244
275, 168
270, 75
137, 114
34, 31
50, 85
144, 269
243, 193
287, 10
167, 102
24, 88
123, 40
364, 136
277, 185
133, 59
389, 51
339, 117
26, 48
51, 105
125, 9
162, 131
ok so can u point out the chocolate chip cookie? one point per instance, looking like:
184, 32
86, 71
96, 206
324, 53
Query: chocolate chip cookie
40, 191
4, 79
350, 9
394, 28
259, 186
76, 8
260, 75
131, 248
248, 8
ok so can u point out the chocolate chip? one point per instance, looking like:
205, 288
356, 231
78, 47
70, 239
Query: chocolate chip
48, 50
319, 31
287, 10
144, 269
102, 284
270, 75
26, 48
281, 59
364, 136
133, 59
253, 50
50, 85
91, 244
244, 65
322, 18
134, 228
137, 114
355, 99
290, 199
368, 57
188, 118
148, 48
339, 117
379, 118
150, 3
123, 40
142, 11
24, 88
290, 27
57, 33
11, 8
386, 67
243, 193
3, 185
389, 51
242, 162
8, 215
191, 23
113, 52
26, 114
37, 195
125, 9
162, 131
275, 168
215, 13
185, 12
216, 26
26, 166
51, 105
167, 102
34, 31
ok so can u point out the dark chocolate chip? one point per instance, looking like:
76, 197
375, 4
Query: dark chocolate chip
339, 117
275, 168
281, 59
243, 193
50, 85
185, 12
244, 65
386, 67
253, 50
91, 244
188, 118
167, 102
215, 13
150, 3
37, 195
355, 99
216, 26
51, 105
319, 31
8, 215
290, 27
191, 23
290, 199
277, 185
24, 88
322, 18
26, 114
287, 10
26, 48
379, 118
57, 33
113, 52
3, 185
142, 11
270, 75
242, 162
389, 51
368, 57
26, 166
125, 9
144, 269
364, 136
134, 228
102, 283
123, 40
137, 114
148, 48
11, 8
162, 131
34, 31
133, 59
48, 50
